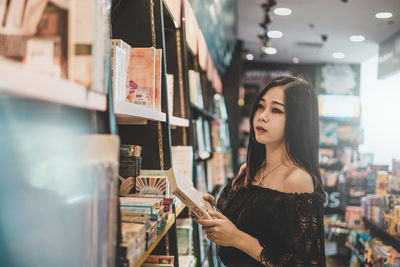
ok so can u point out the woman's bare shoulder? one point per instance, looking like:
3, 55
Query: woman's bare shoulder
298, 180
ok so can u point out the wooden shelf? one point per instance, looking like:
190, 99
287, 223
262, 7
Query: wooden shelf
180, 208
181, 122
17, 80
170, 222
129, 113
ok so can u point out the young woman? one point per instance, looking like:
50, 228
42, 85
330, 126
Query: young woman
271, 214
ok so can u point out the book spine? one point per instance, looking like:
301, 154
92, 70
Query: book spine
199, 212
158, 79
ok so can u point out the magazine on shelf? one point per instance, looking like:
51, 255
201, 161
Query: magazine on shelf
141, 77
189, 195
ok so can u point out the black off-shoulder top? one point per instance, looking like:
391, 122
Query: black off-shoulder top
289, 226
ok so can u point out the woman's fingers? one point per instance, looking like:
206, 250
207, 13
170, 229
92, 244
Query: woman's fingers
209, 198
217, 215
242, 168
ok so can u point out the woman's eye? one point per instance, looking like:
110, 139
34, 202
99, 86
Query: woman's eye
259, 106
275, 110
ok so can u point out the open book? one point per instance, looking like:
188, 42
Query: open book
189, 195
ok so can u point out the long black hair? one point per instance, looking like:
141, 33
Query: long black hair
301, 131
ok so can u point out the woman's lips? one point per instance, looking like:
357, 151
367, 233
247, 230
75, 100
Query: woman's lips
261, 129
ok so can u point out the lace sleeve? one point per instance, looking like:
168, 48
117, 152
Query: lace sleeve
301, 222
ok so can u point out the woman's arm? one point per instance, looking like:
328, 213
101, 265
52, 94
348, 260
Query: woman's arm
249, 245
223, 232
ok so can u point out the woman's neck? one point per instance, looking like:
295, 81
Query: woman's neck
275, 155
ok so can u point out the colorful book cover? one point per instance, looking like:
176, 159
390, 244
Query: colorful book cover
151, 185
128, 150
141, 77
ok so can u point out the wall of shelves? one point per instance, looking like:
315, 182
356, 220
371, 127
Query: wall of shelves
67, 108
175, 128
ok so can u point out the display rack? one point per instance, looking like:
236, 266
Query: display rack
378, 231
138, 125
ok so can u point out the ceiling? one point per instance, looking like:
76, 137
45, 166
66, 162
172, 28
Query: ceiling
334, 18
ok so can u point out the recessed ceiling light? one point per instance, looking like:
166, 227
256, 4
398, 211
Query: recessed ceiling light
249, 56
357, 38
338, 55
383, 15
275, 34
295, 60
269, 50
282, 11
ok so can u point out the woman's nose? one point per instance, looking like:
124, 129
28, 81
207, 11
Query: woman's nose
265, 115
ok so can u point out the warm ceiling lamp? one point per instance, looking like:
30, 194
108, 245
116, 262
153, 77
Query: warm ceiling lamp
275, 34
282, 11
357, 38
384, 15
270, 50
338, 55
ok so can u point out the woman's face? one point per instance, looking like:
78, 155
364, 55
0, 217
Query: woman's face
269, 118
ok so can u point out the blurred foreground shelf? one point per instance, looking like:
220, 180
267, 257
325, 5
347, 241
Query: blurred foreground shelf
17, 80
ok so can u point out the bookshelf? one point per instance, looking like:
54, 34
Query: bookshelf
17, 80
171, 222
380, 232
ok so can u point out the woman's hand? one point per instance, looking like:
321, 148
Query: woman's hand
242, 168
209, 198
126, 186
220, 230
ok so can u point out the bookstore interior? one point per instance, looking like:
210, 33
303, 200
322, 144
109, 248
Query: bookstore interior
133, 110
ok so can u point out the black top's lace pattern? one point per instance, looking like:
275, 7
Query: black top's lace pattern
289, 226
